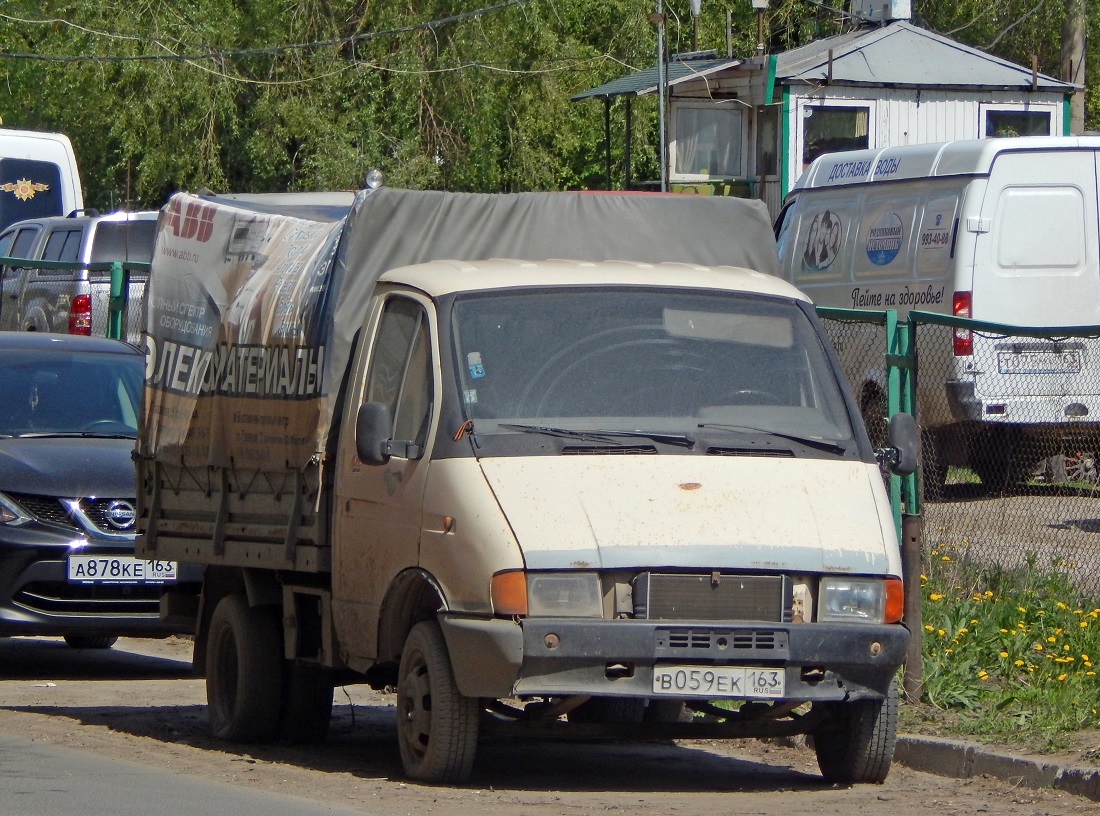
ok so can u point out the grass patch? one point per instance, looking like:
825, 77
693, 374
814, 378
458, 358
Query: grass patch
1009, 655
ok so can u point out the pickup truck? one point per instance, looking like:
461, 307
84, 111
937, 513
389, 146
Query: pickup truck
622, 495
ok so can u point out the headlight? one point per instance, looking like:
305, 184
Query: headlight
11, 513
861, 600
548, 594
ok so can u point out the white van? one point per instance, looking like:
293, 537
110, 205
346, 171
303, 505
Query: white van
38, 176
999, 230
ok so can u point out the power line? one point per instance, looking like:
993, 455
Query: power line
222, 54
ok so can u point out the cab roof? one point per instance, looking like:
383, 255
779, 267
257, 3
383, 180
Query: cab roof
446, 277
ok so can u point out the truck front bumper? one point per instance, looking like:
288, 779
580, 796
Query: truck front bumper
566, 656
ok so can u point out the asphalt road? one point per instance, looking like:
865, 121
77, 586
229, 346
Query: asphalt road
124, 732
37, 779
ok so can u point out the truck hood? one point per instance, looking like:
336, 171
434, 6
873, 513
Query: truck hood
68, 466
707, 512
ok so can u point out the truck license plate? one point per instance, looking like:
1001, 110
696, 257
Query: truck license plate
718, 681
119, 569
1039, 362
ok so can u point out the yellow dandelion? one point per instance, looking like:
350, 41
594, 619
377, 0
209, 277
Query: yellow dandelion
983, 675
1021, 609
929, 627
1038, 647
963, 630
1018, 663
941, 632
946, 558
1052, 639
935, 596
1004, 654
1083, 624
1063, 676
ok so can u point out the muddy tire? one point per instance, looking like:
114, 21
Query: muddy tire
306, 704
91, 641
436, 726
856, 743
244, 664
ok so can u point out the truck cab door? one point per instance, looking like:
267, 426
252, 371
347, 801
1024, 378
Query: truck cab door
377, 518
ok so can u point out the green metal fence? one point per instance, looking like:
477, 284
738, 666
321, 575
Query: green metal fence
39, 295
1010, 417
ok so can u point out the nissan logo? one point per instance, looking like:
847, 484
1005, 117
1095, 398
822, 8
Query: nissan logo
120, 515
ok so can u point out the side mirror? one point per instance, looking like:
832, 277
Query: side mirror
373, 443
903, 438
373, 425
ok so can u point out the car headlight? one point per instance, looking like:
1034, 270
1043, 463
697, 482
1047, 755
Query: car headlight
11, 513
548, 594
852, 600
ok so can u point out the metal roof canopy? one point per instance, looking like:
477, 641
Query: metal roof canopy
681, 68
903, 55
898, 54
895, 55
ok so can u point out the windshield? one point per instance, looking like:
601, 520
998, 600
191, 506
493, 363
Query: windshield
62, 392
643, 359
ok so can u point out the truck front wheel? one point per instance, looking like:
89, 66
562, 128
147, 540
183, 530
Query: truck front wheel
244, 662
856, 742
436, 726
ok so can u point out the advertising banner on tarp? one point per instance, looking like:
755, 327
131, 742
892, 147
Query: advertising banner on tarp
238, 321
254, 309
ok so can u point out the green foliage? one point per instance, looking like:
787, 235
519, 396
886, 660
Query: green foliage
1015, 650
204, 93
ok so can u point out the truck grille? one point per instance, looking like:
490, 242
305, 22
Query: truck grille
713, 596
684, 643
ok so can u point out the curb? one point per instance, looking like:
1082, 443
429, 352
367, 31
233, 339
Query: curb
963, 760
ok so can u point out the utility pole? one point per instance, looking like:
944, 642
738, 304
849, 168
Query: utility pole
1073, 60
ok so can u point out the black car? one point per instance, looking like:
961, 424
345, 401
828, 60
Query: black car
68, 424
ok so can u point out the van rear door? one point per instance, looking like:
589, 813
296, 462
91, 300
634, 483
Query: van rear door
1036, 264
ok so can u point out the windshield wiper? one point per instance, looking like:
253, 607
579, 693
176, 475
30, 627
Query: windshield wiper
600, 435
73, 435
826, 445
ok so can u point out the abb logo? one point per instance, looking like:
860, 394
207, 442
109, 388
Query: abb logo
196, 220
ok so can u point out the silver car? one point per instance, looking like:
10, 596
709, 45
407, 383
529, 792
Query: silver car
74, 300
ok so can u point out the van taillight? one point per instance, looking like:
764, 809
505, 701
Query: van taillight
964, 338
80, 315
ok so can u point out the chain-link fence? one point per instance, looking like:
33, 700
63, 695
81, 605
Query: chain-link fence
1010, 418
102, 299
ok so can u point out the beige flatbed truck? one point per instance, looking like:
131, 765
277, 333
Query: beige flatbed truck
626, 495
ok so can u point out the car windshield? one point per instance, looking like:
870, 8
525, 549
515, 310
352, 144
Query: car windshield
637, 359
63, 392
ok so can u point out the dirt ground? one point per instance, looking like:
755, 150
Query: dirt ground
139, 702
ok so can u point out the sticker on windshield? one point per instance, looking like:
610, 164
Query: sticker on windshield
884, 239
473, 363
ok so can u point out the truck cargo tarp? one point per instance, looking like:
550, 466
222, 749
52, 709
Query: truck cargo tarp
252, 314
